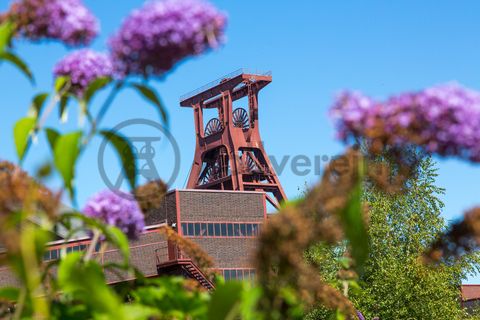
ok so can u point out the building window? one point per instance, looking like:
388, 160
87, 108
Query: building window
203, 229
197, 229
255, 229
215, 229
238, 274
184, 229
236, 230
46, 256
54, 254
249, 230
190, 229
210, 230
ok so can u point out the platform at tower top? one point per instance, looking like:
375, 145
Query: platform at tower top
214, 88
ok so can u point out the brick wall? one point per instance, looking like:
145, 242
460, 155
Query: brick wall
8, 278
211, 206
197, 205
167, 211
142, 256
229, 253
194, 206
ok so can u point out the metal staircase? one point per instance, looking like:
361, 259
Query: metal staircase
186, 267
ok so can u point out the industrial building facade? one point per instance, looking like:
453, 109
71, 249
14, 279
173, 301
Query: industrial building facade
224, 223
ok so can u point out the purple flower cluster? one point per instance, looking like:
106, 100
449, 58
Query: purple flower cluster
118, 211
83, 66
353, 110
155, 37
65, 20
443, 119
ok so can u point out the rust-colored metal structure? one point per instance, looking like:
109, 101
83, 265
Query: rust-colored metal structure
229, 152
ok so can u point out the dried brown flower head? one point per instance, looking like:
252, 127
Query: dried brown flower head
190, 249
286, 236
280, 262
18, 191
151, 195
462, 237
21, 193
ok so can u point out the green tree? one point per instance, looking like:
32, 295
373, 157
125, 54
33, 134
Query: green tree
395, 283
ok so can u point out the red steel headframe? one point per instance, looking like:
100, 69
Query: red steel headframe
229, 152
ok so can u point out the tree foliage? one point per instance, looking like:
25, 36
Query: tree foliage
396, 284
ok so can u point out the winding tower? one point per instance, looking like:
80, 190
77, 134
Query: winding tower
229, 152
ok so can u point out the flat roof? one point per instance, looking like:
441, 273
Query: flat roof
470, 291
211, 190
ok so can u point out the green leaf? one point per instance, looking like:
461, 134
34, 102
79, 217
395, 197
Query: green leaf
120, 240
94, 87
19, 63
139, 312
6, 32
21, 134
85, 281
149, 94
60, 83
354, 226
250, 300
9, 293
66, 151
112, 234
38, 102
226, 301
52, 136
340, 315
62, 110
126, 154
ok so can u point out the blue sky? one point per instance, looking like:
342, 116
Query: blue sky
313, 48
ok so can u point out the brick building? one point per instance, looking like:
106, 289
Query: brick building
470, 298
224, 223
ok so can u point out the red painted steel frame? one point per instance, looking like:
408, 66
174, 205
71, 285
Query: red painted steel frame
241, 144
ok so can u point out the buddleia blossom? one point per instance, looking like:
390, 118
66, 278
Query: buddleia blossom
66, 20
353, 109
155, 37
113, 209
83, 67
443, 119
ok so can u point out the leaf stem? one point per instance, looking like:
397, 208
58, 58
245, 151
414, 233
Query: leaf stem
101, 113
108, 101
52, 105
93, 244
